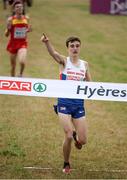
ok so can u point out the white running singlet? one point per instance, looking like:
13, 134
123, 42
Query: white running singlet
76, 73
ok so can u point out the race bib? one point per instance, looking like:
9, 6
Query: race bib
20, 33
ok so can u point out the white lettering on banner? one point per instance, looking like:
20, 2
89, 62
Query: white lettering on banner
118, 7
63, 89
15, 85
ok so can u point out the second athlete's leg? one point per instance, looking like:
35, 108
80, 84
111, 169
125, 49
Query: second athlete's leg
22, 53
13, 63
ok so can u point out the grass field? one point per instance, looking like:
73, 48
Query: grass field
30, 134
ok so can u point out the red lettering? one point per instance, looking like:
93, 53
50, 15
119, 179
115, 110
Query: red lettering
70, 72
80, 74
75, 78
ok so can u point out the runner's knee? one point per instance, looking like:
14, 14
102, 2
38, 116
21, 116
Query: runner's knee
22, 63
82, 140
69, 134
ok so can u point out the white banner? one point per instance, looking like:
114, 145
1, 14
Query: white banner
63, 89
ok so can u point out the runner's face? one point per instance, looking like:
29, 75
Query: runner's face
18, 8
74, 48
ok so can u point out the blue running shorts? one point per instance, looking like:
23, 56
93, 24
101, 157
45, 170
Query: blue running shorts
73, 110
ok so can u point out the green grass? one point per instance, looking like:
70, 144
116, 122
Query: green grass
30, 134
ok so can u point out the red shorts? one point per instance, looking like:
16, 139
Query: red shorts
13, 47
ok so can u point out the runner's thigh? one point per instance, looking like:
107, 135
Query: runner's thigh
22, 53
66, 122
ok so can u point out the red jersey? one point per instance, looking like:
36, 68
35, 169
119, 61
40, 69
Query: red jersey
18, 34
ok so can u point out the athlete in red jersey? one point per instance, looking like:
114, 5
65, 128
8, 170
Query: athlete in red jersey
17, 28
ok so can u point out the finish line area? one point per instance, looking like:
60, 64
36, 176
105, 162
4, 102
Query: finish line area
46, 169
91, 170
64, 89
35, 87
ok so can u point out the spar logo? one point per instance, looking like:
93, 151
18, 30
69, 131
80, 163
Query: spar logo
39, 87
15, 85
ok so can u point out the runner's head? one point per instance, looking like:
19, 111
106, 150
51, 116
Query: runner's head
73, 45
18, 7
72, 39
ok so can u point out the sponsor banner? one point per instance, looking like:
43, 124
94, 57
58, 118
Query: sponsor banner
118, 7
63, 89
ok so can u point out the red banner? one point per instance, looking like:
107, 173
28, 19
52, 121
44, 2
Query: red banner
115, 7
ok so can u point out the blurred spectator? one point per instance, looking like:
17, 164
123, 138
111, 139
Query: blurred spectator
25, 3
5, 3
29, 3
